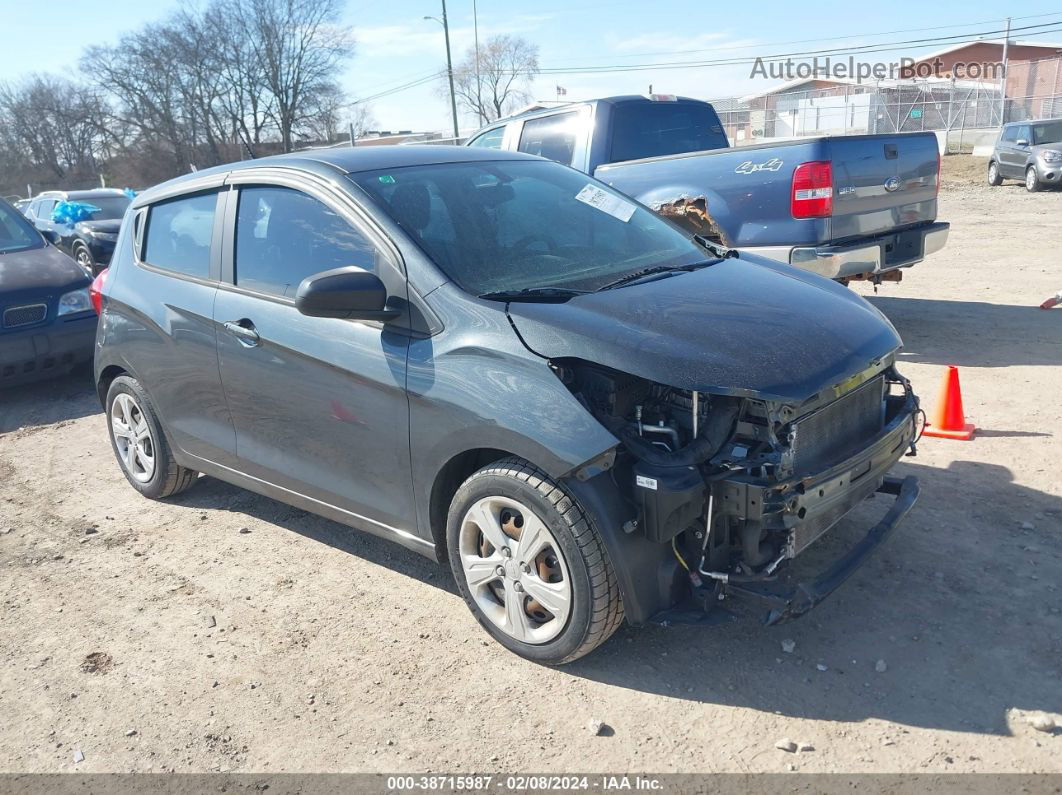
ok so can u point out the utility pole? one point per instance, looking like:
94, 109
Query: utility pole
449, 65
1003, 85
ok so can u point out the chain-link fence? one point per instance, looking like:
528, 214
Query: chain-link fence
966, 113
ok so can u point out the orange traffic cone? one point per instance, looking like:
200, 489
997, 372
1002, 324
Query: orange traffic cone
949, 422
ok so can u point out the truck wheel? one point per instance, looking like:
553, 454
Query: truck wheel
994, 179
1032, 183
139, 443
531, 565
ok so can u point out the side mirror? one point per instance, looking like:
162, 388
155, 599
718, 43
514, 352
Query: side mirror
1022, 142
352, 293
50, 235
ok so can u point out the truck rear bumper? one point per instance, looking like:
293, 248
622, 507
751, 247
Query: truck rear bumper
873, 255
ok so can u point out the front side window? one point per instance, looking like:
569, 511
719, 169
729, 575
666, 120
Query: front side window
179, 233
284, 235
552, 137
491, 139
1010, 134
44, 209
512, 225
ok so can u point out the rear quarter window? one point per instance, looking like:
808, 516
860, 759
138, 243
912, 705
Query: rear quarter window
178, 234
653, 129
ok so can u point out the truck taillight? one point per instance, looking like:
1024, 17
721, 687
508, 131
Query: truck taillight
812, 190
96, 290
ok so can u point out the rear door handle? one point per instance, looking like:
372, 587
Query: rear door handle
244, 331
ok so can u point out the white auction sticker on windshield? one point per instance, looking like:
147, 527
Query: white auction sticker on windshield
606, 202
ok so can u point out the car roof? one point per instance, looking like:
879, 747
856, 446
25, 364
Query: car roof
343, 160
94, 193
622, 99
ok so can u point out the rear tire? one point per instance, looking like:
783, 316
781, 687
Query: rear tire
546, 564
139, 443
1032, 182
994, 178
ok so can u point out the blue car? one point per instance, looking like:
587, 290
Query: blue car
47, 324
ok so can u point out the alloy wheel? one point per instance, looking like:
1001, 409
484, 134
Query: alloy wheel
132, 437
1030, 180
515, 570
84, 259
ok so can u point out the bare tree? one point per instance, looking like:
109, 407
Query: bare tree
298, 45
247, 101
194, 89
507, 65
54, 124
330, 116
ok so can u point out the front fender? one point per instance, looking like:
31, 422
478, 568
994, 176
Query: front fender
475, 386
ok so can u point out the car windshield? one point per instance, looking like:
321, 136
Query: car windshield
1047, 132
16, 233
110, 207
503, 226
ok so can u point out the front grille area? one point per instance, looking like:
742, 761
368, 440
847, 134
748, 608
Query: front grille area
840, 429
15, 316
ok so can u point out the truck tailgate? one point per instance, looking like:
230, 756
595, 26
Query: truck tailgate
882, 183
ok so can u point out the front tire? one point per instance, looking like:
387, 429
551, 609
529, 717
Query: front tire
531, 565
139, 444
84, 258
1032, 182
994, 178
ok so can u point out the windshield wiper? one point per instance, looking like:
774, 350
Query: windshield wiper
630, 278
717, 248
541, 294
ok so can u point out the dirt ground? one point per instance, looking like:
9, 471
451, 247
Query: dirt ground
225, 631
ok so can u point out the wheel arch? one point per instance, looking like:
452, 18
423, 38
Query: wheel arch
106, 378
446, 483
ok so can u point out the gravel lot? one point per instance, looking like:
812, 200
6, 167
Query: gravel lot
225, 631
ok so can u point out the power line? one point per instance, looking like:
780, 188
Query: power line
860, 49
830, 38
1049, 27
406, 86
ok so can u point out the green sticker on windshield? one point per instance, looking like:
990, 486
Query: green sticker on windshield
387, 179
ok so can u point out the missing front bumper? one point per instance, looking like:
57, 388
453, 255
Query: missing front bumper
789, 603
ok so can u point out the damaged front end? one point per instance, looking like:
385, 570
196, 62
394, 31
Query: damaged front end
734, 488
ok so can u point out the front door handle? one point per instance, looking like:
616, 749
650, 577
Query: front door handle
244, 331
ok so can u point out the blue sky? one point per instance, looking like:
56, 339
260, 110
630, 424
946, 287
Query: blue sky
395, 44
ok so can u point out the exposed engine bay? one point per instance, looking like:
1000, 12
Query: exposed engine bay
737, 486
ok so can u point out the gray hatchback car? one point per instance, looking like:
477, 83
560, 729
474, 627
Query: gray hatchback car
1030, 151
501, 363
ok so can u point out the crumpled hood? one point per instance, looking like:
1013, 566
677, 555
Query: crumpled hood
745, 326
